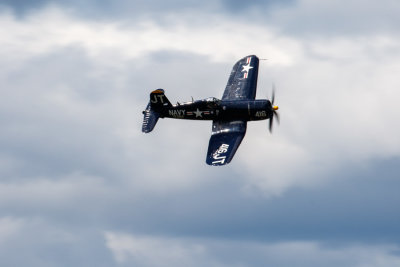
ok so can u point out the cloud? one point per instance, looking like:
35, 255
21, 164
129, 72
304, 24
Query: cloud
327, 89
297, 18
332, 18
78, 175
152, 251
47, 244
121, 43
8, 227
72, 112
164, 251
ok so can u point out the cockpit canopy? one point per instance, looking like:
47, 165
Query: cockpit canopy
212, 101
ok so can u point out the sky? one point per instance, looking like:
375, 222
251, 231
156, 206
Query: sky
81, 185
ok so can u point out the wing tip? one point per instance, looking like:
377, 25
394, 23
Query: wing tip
213, 162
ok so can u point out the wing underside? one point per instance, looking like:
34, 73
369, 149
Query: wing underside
242, 83
225, 140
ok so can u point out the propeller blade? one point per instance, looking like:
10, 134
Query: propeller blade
273, 94
274, 110
271, 121
276, 114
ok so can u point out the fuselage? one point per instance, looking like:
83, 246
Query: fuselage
215, 109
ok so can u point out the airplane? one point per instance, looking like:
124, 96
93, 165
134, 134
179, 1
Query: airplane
229, 114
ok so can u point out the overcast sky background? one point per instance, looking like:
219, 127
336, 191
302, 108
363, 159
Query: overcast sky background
80, 185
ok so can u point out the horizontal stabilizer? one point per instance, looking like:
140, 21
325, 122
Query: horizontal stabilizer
150, 119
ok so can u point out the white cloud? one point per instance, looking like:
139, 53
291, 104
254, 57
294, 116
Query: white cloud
164, 251
337, 96
47, 243
147, 251
52, 29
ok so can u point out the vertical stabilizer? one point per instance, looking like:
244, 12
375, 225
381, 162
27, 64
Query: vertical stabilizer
158, 100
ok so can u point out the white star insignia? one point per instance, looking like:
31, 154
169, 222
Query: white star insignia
198, 113
246, 68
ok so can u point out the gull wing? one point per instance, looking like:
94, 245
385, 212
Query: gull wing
225, 140
242, 83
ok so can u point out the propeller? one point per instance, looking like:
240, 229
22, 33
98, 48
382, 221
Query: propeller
273, 110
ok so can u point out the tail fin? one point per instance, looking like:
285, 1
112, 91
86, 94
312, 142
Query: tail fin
158, 100
150, 119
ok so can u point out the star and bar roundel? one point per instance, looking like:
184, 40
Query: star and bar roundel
246, 68
242, 82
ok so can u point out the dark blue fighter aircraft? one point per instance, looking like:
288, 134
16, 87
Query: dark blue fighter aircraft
229, 115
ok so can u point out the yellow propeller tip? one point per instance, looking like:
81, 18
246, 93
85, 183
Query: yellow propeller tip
275, 107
